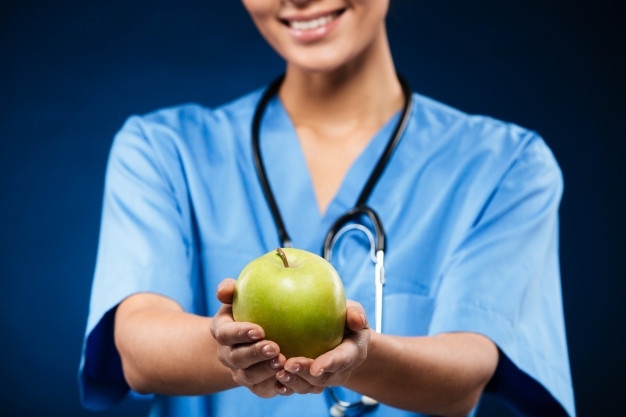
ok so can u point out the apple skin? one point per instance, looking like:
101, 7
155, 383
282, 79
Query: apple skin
301, 307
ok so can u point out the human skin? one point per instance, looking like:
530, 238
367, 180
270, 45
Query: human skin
340, 87
442, 375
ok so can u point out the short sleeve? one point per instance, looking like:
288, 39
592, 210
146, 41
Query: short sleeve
144, 246
503, 281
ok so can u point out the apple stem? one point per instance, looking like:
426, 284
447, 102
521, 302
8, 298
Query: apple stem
283, 257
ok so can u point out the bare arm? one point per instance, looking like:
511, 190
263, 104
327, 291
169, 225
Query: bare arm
443, 375
165, 350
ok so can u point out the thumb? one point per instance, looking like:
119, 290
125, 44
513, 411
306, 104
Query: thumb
355, 316
225, 291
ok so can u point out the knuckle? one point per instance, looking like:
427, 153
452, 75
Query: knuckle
257, 352
219, 334
240, 333
248, 377
317, 390
231, 356
256, 375
224, 358
229, 334
265, 389
239, 378
327, 378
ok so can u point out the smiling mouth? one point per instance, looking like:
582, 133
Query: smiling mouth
312, 24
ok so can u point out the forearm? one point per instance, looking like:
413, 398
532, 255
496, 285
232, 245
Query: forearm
167, 351
442, 375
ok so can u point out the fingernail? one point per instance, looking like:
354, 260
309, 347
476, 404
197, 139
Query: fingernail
281, 389
254, 334
293, 368
269, 351
284, 377
320, 372
220, 288
275, 364
364, 320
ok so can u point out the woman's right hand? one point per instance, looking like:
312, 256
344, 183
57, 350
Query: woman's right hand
242, 348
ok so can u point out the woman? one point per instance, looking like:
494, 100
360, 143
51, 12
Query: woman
469, 206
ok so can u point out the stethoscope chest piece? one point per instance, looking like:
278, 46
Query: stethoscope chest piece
342, 408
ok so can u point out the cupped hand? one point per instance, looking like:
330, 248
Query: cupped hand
253, 361
333, 368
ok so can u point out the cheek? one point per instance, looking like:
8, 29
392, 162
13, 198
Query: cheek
254, 5
374, 12
262, 14
262, 8
259, 10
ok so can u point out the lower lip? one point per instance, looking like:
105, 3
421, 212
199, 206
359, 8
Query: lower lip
314, 35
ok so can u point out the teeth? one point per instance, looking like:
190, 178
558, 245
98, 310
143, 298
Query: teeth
311, 24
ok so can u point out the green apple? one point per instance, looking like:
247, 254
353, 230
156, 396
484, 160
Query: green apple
298, 299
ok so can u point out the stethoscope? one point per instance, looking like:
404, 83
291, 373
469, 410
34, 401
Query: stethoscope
351, 220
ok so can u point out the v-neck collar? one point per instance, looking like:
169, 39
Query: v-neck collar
291, 182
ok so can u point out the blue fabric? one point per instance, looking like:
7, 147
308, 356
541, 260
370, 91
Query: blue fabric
469, 204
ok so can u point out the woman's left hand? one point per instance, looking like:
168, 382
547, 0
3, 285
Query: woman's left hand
333, 368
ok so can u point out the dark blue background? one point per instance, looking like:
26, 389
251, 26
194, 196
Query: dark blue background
72, 71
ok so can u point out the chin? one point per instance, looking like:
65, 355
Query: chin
319, 63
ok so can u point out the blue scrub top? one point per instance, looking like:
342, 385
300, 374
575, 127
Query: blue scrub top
469, 205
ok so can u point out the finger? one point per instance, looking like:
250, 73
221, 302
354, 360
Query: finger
333, 367
258, 373
266, 389
283, 390
296, 375
225, 291
355, 316
297, 384
248, 355
296, 381
228, 332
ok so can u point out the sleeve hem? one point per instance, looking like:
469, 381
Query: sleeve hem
525, 363
101, 379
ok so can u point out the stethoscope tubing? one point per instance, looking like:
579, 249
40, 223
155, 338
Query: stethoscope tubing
271, 91
360, 207
354, 215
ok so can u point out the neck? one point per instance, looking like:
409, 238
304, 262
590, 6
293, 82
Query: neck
365, 91
337, 112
